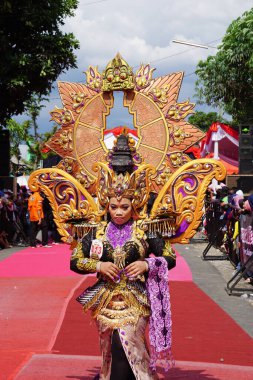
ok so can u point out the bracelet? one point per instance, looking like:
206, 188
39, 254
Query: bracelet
98, 266
147, 266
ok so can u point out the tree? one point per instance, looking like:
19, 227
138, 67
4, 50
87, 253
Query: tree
204, 120
226, 79
34, 51
18, 134
27, 132
21, 133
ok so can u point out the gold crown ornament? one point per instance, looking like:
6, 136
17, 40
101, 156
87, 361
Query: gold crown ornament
118, 75
121, 178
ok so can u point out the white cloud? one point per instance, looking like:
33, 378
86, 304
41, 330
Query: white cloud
142, 31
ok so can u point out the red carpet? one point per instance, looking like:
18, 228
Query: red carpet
34, 262
60, 367
54, 261
39, 315
29, 311
202, 331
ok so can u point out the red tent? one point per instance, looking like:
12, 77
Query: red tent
222, 140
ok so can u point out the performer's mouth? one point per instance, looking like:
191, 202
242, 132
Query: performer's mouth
119, 220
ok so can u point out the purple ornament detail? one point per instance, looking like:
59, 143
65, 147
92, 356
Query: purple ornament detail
118, 235
160, 335
183, 226
192, 182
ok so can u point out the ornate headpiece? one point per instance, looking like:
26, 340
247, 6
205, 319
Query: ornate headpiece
120, 178
118, 75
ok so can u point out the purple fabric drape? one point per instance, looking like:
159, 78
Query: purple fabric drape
160, 319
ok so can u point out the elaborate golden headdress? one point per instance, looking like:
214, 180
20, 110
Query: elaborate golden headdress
124, 176
80, 186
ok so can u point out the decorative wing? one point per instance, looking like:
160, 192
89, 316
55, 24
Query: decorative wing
182, 198
68, 198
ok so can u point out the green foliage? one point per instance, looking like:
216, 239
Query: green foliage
204, 120
226, 79
18, 135
34, 51
27, 133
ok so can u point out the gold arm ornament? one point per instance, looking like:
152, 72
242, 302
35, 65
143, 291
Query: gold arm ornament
69, 200
183, 196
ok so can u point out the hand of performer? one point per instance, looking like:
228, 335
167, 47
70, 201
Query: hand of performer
109, 269
136, 268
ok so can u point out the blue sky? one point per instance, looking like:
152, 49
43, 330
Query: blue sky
142, 31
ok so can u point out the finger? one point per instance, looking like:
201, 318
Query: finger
114, 267
130, 266
114, 271
133, 273
108, 274
130, 272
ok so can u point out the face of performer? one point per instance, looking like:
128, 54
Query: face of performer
120, 210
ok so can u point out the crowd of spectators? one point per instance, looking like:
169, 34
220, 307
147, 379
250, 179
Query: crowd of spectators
228, 224
15, 223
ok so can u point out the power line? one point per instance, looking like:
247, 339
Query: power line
94, 2
182, 52
169, 56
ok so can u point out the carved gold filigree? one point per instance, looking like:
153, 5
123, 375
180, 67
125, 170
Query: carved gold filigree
118, 75
62, 116
178, 135
67, 164
159, 95
68, 199
78, 100
180, 111
84, 179
65, 140
162, 175
177, 159
72, 167
184, 195
143, 76
94, 78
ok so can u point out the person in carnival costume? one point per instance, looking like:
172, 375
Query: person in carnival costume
105, 210
132, 287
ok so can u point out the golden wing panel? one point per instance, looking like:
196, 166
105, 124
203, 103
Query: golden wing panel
62, 142
95, 111
147, 110
154, 135
146, 153
83, 138
74, 95
68, 198
183, 135
90, 159
183, 195
172, 82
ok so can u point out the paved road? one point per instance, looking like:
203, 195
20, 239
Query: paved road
212, 282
